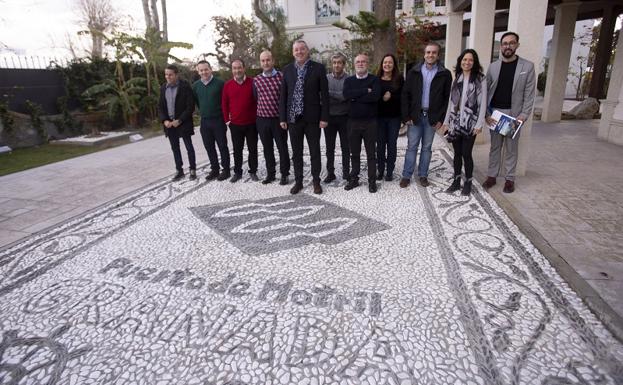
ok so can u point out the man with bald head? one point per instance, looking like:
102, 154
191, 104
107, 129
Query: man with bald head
304, 111
267, 88
363, 91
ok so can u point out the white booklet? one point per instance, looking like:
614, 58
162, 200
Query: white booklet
506, 125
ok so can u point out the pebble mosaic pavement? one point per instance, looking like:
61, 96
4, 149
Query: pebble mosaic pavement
216, 283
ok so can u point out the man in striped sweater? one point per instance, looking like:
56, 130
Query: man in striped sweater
266, 87
239, 109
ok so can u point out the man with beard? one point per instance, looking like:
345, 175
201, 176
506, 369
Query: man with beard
511, 90
266, 87
363, 91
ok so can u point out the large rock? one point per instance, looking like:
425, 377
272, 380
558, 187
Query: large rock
586, 109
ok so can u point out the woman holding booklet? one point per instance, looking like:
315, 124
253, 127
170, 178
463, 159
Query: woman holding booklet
465, 116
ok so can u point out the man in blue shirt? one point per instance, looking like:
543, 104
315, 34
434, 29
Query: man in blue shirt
425, 98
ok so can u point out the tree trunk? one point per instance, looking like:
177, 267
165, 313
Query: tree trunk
165, 29
148, 20
384, 41
154, 14
97, 45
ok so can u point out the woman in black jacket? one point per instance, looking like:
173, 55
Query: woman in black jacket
388, 116
465, 117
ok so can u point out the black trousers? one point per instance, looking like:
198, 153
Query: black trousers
311, 131
358, 130
269, 131
238, 136
213, 134
174, 135
463, 146
337, 125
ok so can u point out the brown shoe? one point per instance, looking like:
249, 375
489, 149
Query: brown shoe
509, 186
490, 182
317, 188
424, 181
404, 182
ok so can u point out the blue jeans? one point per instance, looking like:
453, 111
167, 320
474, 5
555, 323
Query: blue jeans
421, 131
387, 136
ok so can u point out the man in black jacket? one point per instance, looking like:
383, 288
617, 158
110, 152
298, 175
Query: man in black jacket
304, 111
425, 98
363, 91
175, 109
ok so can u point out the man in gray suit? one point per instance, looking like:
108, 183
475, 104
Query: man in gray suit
511, 89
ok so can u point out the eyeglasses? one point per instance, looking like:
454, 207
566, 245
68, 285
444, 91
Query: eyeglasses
509, 44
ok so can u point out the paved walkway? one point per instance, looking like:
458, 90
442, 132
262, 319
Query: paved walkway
571, 195
214, 283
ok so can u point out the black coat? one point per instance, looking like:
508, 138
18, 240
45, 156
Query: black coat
438, 97
315, 93
184, 107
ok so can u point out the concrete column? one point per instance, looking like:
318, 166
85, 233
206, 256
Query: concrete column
481, 39
602, 55
481, 30
611, 123
454, 38
562, 41
527, 19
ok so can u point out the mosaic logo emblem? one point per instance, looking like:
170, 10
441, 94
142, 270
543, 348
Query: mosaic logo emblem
274, 224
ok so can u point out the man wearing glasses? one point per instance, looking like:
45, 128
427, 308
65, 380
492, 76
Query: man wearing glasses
511, 89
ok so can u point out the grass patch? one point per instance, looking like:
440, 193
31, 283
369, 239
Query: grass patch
25, 158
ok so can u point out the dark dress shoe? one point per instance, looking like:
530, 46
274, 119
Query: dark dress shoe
389, 177
330, 178
223, 175
490, 182
212, 175
284, 180
379, 176
317, 188
235, 178
298, 186
372, 187
467, 188
269, 179
424, 181
253, 177
404, 182
351, 184
179, 175
193, 175
509, 186
455, 186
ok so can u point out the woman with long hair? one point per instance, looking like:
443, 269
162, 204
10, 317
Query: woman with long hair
465, 117
388, 116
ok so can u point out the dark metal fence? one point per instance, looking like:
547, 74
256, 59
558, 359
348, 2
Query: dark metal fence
41, 86
31, 62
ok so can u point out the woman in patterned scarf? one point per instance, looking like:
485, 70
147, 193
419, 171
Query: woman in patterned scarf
465, 116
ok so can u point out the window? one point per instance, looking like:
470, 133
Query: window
327, 11
418, 7
440, 3
398, 5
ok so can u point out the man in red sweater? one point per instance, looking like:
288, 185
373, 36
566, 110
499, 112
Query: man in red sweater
239, 112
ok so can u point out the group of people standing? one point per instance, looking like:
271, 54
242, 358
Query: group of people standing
303, 100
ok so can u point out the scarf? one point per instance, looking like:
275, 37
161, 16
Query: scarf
296, 109
462, 121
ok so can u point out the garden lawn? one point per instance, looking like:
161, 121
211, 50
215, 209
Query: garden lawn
25, 158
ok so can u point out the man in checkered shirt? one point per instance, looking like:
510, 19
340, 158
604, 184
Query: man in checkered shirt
266, 88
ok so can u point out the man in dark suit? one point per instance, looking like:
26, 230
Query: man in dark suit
304, 111
175, 110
